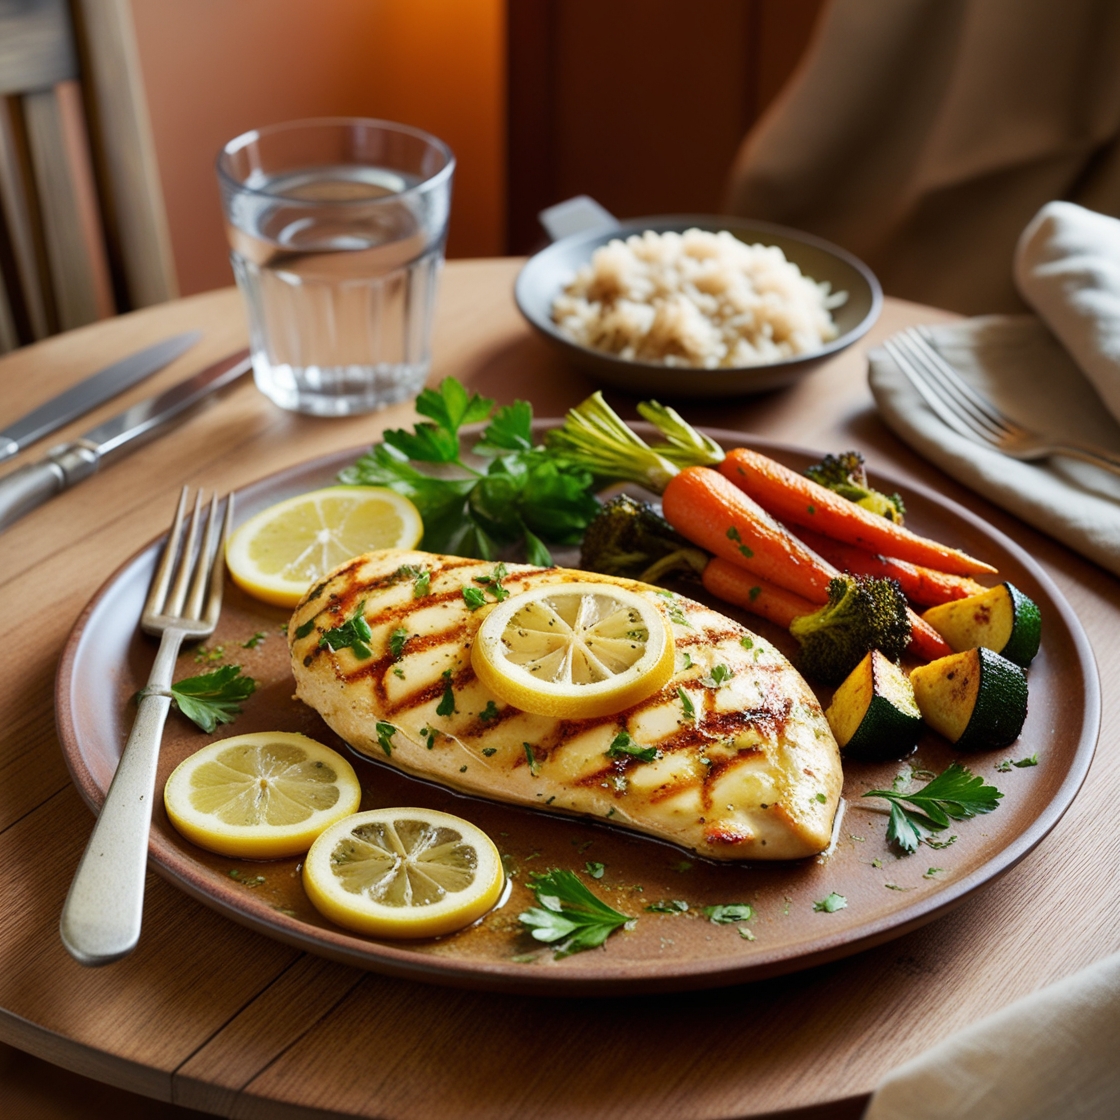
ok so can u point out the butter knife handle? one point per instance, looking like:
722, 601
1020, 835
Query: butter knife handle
30, 486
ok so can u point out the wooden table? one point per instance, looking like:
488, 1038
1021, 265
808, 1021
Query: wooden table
219, 1018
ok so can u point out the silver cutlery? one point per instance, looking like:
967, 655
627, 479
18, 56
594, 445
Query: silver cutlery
63, 466
103, 910
92, 391
971, 415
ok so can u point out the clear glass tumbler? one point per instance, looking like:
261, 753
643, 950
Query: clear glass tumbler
337, 230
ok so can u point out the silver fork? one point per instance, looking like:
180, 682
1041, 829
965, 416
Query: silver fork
102, 913
971, 415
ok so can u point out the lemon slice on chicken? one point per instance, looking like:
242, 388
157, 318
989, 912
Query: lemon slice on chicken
403, 873
260, 796
278, 554
574, 651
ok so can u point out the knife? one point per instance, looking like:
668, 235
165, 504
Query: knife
63, 466
94, 390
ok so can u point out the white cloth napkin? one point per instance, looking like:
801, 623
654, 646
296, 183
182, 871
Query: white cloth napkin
1049, 1056
1058, 374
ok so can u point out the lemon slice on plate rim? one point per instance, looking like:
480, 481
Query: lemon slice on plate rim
264, 795
279, 553
403, 873
574, 650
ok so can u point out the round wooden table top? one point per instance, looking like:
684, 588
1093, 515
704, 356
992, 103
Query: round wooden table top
219, 1018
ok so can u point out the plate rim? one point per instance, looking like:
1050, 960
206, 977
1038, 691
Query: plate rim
659, 976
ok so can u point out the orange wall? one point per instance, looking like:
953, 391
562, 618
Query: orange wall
215, 68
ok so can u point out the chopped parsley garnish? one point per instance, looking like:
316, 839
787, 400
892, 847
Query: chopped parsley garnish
255, 640
385, 733
397, 640
622, 745
423, 585
681, 866
718, 677
729, 913
489, 751
489, 712
447, 701
493, 582
594, 869
306, 628
212, 698
733, 534
686, 660
1005, 766
956, 793
830, 904
686, 704
473, 598
525, 494
354, 634
568, 916
668, 906
531, 758
746, 641
429, 737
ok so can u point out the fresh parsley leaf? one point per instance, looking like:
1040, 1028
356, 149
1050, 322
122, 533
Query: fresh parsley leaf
531, 758
213, 698
489, 712
397, 640
955, 794
447, 701
511, 429
594, 869
473, 598
354, 634
622, 745
830, 904
385, 733
306, 628
729, 913
686, 704
668, 906
422, 586
1021, 762
255, 640
429, 737
568, 916
718, 677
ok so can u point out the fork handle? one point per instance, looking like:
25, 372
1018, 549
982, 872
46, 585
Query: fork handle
101, 916
1089, 454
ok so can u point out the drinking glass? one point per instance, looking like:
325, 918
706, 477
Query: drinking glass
337, 229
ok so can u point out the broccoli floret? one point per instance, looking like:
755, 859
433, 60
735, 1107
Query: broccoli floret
862, 613
846, 475
629, 538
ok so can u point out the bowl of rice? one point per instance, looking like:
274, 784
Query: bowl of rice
697, 306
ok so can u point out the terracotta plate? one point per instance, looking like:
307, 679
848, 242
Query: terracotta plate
106, 661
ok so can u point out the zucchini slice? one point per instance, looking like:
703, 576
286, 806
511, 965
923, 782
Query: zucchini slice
1002, 619
976, 699
873, 714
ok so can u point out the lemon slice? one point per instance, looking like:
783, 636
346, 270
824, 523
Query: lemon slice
278, 554
403, 873
575, 650
260, 796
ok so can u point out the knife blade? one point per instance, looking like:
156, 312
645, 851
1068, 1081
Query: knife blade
63, 466
92, 391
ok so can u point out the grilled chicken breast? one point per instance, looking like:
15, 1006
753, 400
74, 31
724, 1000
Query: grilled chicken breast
752, 773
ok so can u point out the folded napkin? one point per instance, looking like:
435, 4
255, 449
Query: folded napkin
1047, 1056
1057, 374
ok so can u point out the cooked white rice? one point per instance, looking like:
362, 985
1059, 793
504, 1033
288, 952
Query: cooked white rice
696, 299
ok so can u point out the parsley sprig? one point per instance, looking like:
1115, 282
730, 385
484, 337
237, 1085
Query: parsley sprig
354, 634
955, 794
213, 698
525, 494
568, 916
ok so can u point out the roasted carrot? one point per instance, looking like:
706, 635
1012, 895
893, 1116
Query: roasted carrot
925, 586
798, 500
733, 584
710, 511
925, 642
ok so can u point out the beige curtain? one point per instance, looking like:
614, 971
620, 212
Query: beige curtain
923, 135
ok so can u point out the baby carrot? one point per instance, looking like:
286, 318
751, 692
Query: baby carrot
710, 511
800, 501
925, 586
736, 585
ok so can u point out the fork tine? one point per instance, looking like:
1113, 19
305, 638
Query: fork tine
948, 404
174, 605
217, 572
202, 567
922, 343
157, 594
940, 408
